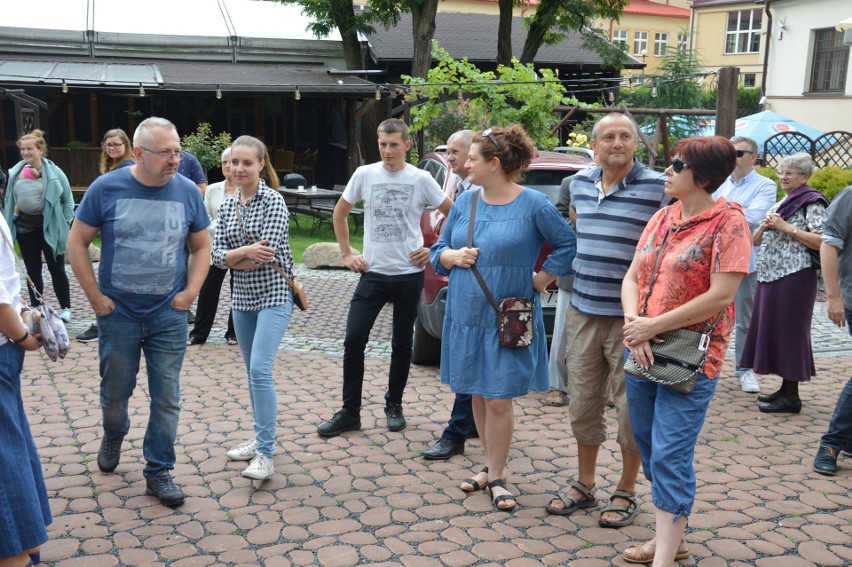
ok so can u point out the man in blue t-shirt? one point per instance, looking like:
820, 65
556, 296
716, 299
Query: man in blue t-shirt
154, 257
191, 168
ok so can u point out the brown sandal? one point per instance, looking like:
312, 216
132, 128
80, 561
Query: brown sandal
571, 503
636, 553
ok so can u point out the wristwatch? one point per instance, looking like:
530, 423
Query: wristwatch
17, 342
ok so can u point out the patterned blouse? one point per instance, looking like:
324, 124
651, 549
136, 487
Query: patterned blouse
715, 241
264, 217
780, 253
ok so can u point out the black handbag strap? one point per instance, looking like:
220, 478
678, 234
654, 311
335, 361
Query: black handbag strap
470, 245
654, 279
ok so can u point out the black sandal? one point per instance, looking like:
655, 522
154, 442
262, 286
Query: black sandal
474, 484
192, 340
497, 500
628, 512
571, 503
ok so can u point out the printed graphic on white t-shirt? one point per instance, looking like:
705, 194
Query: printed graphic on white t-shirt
391, 202
147, 237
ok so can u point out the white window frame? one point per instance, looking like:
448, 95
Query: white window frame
661, 44
620, 36
640, 42
681, 41
747, 31
829, 62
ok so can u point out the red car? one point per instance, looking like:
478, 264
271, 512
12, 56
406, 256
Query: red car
545, 174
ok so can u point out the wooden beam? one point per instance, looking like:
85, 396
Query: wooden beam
726, 101
368, 104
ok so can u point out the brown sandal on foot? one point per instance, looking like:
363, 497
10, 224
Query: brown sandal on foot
570, 503
636, 553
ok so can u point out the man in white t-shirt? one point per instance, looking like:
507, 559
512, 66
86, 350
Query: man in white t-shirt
394, 195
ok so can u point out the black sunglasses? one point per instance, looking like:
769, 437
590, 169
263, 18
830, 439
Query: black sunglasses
741, 153
679, 165
488, 133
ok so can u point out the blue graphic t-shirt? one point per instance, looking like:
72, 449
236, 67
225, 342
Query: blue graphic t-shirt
143, 238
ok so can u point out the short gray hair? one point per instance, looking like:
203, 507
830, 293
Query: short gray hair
225, 153
463, 136
143, 131
801, 161
752, 145
615, 115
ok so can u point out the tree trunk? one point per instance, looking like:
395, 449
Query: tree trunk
343, 14
423, 30
504, 33
540, 24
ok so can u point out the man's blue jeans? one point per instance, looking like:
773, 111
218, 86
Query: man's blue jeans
162, 337
666, 425
839, 435
259, 334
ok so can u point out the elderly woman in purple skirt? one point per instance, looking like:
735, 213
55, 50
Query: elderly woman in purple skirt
779, 338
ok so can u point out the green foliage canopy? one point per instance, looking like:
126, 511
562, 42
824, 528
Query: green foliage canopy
205, 146
456, 94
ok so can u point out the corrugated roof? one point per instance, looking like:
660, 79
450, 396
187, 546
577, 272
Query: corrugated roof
177, 75
475, 36
647, 8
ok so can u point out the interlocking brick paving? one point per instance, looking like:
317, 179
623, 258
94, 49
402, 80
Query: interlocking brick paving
367, 498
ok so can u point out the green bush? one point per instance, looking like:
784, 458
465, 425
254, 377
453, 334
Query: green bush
205, 146
773, 175
831, 180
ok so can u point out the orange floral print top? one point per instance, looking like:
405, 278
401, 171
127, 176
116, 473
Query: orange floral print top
718, 240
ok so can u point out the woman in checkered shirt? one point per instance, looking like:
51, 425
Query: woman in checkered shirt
252, 239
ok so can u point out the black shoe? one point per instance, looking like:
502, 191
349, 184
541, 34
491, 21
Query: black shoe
161, 486
340, 422
825, 461
781, 405
443, 450
89, 335
190, 316
109, 453
767, 398
193, 340
396, 421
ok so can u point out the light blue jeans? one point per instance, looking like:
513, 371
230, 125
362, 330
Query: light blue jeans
666, 425
162, 337
259, 334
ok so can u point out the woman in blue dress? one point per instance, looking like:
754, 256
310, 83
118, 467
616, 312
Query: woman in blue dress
510, 226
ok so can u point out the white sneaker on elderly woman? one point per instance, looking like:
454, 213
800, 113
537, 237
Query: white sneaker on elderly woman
749, 383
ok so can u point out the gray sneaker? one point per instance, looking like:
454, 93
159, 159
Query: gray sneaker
110, 453
161, 486
89, 335
396, 421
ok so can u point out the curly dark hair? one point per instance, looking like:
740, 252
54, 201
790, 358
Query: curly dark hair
511, 145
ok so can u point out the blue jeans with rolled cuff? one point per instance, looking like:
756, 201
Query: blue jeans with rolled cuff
666, 425
162, 337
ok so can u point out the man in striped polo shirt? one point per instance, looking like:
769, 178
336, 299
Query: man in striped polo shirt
610, 206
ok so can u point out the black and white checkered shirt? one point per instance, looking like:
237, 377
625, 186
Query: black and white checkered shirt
264, 217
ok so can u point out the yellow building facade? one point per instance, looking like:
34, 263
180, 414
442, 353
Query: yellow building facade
730, 34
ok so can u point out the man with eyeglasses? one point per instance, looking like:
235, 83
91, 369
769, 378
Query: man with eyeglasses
154, 257
610, 206
756, 195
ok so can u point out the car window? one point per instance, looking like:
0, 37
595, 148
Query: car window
435, 169
546, 181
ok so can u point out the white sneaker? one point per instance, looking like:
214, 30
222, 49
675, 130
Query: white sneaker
65, 315
243, 452
749, 383
260, 468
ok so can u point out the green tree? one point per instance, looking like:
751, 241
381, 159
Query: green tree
553, 20
205, 146
456, 94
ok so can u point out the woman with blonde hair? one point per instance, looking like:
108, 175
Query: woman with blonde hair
39, 210
117, 151
252, 240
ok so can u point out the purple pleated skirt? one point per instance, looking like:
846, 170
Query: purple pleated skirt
779, 337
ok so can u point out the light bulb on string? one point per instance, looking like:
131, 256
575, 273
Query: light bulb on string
141, 90
64, 87
218, 92
611, 97
378, 93
654, 92
298, 95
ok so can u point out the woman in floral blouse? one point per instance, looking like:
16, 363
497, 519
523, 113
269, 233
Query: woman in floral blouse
705, 252
779, 339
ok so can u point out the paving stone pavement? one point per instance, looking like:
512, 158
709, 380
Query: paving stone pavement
368, 498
